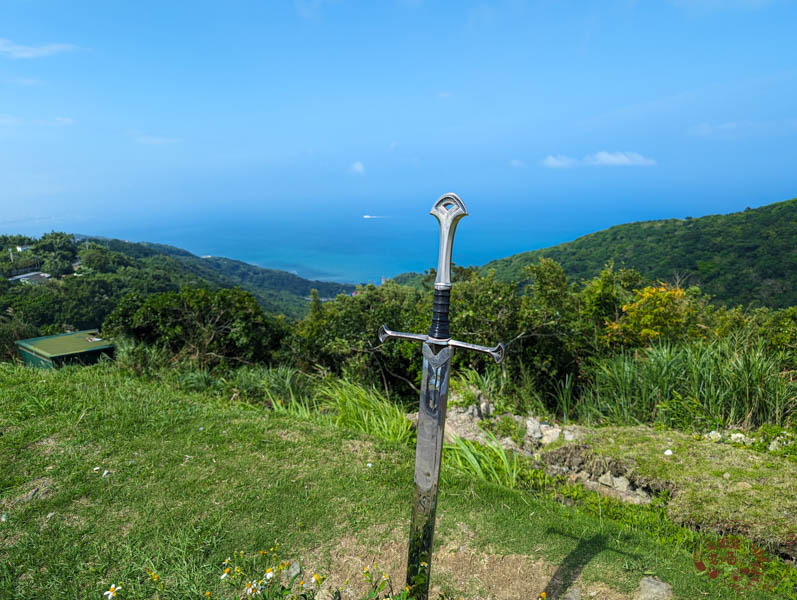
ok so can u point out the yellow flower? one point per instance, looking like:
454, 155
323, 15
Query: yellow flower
262, 552
111, 593
207, 594
317, 578
226, 572
543, 595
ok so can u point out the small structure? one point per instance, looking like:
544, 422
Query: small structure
53, 351
34, 277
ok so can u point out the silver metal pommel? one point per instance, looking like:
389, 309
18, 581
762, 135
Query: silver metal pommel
448, 210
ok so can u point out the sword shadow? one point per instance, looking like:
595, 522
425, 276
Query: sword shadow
573, 564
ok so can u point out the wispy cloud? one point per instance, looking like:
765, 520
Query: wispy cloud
517, 164
744, 128
8, 120
392, 146
558, 161
619, 159
443, 94
599, 159
155, 140
374, 217
308, 9
9, 48
357, 168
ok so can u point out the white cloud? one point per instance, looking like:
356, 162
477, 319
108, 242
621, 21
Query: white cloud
357, 168
599, 159
618, 159
155, 140
9, 48
392, 146
64, 121
445, 94
517, 164
560, 161
373, 217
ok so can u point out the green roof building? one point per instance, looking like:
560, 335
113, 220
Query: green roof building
53, 351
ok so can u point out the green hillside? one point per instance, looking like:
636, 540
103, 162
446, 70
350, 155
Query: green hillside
739, 258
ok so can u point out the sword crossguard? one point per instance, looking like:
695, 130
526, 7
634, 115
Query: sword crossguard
497, 352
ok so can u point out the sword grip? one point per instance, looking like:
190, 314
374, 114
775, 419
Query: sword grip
440, 324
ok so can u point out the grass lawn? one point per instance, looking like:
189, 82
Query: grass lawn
192, 479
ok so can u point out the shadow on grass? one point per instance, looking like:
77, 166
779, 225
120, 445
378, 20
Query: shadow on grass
573, 564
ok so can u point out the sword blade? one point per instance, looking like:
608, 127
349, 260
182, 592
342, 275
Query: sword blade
428, 456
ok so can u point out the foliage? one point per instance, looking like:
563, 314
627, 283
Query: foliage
207, 328
701, 385
657, 313
13, 328
739, 258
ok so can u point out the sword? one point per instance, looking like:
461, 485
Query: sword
438, 349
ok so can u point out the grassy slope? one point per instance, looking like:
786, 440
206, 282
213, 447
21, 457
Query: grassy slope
738, 258
758, 498
193, 479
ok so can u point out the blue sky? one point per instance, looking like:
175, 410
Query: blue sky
571, 116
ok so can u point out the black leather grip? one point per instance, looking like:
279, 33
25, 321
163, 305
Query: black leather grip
440, 324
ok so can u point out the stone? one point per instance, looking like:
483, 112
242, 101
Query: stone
569, 435
293, 569
533, 428
550, 433
742, 486
606, 479
653, 588
486, 409
572, 594
621, 484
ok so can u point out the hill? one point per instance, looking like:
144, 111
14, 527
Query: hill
278, 292
738, 258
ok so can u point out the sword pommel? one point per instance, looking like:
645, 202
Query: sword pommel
448, 210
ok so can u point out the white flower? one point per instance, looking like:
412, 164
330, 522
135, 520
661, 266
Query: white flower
251, 588
226, 572
111, 593
369, 465
668, 452
269, 574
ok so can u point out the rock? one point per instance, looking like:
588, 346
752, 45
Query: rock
653, 588
550, 433
293, 569
569, 435
606, 479
533, 428
742, 486
714, 436
572, 594
486, 409
621, 484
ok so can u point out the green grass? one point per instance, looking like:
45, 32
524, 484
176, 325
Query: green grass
725, 383
195, 476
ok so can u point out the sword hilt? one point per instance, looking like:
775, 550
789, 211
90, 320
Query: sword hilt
497, 352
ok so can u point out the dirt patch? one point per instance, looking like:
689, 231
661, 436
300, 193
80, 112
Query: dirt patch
289, 435
459, 568
37, 489
46, 446
358, 447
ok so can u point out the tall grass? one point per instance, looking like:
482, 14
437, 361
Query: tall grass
723, 383
356, 407
490, 462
